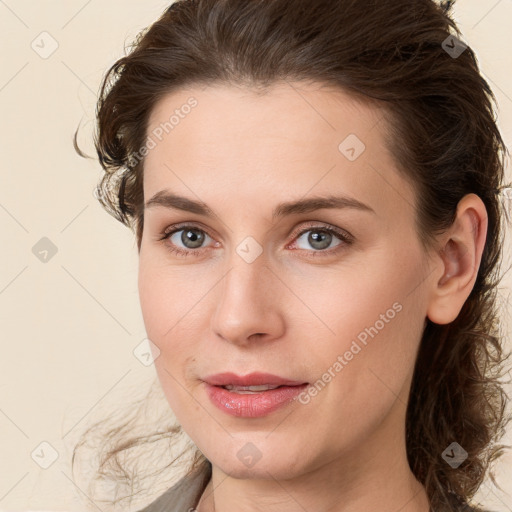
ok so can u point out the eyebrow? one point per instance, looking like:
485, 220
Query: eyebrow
166, 199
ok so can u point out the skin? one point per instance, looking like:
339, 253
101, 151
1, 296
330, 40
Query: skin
242, 153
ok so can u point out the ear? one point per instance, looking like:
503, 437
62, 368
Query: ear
457, 260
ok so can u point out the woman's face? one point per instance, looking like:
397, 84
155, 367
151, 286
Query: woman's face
259, 287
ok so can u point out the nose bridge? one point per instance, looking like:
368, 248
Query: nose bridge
247, 299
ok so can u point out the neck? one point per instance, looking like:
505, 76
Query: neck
376, 476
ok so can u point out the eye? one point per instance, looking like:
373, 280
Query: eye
321, 238
187, 239
191, 237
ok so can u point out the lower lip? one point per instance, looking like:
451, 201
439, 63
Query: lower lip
253, 405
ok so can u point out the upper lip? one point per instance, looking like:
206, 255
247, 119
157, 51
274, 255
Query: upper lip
251, 379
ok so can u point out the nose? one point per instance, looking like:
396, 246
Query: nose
250, 303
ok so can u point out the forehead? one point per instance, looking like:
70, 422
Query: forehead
291, 140
286, 111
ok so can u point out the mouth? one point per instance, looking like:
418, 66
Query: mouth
251, 396
249, 389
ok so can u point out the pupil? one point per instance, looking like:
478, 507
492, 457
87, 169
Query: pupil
319, 237
192, 236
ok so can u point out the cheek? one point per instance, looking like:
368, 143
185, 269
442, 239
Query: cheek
375, 315
378, 334
171, 308
165, 321
161, 312
165, 296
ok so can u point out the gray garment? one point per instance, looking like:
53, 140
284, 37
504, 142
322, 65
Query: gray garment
184, 495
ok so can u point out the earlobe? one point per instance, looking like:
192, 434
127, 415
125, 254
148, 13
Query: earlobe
458, 260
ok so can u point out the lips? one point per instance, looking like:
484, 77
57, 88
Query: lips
252, 379
253, 395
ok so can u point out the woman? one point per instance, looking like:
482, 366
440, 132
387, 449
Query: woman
315, 191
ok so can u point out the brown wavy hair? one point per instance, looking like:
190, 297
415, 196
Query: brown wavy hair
441, 128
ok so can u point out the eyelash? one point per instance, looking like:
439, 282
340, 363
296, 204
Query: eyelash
345, 238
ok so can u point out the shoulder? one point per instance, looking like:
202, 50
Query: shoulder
184, 494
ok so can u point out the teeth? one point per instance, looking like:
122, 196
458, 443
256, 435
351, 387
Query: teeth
249, 389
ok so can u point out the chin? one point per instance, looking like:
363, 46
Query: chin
244, 459
270, 470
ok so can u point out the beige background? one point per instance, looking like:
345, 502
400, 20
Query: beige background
69, 326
